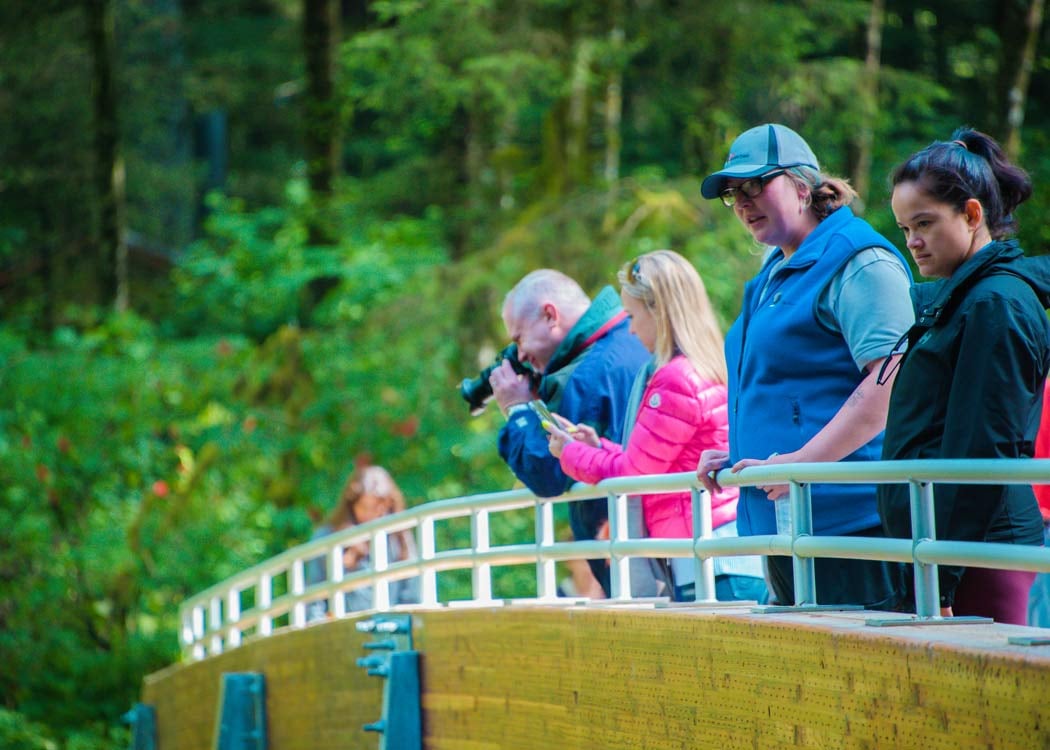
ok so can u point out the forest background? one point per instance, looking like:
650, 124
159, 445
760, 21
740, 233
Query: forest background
244, 242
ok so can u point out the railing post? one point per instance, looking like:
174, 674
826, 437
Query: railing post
215, 621
199, 651
187, 632
263, 600
802, 525
380, 562
298, 586
619, 565
233, 616
923, 528
482, 573
703, 568
336, 572
427, 550
546, 580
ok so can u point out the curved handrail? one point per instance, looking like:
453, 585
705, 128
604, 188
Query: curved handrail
213, 620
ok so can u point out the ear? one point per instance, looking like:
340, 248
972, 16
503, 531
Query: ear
805, 196
550, 312
974, 213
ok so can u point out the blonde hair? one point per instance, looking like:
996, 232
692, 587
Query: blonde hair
673, 291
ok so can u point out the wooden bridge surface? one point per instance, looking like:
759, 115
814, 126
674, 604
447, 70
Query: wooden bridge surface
626, 676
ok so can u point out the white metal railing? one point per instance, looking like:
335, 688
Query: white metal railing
215, 620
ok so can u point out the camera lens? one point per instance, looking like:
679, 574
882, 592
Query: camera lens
476, 391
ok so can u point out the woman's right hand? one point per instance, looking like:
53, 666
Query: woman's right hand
711, 461
557, 439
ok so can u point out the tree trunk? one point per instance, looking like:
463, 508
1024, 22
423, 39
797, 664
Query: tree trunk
322, 135
112, 250
321, 126
869, 96
579, 98
473, 165
1018, 95
613, 111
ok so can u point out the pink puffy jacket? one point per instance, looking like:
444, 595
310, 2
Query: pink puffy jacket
680, 415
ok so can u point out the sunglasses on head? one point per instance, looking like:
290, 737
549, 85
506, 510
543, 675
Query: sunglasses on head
634, 273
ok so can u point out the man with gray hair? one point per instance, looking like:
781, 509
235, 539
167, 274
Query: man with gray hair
588, 360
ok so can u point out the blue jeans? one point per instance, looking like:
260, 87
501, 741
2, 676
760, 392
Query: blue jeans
728, 589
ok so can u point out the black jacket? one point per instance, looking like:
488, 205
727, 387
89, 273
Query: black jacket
970, 385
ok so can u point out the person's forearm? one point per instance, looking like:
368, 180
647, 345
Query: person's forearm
591, 465
857, 422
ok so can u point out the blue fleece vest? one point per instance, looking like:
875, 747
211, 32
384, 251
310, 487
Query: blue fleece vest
789, 375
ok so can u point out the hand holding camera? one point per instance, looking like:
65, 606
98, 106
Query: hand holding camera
510, 387
501, 379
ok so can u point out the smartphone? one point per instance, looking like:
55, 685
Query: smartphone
543, 412
547, 416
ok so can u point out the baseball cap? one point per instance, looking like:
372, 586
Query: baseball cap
758, 150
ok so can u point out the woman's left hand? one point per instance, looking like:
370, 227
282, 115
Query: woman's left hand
582, 432
773, 491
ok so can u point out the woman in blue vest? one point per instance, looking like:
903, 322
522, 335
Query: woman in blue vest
825, 310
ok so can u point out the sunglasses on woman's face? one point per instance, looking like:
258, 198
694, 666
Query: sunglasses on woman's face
748, 188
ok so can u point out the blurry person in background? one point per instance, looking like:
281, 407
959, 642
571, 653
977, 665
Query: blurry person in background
369, 494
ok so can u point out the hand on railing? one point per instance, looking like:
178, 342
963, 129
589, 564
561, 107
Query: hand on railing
773, 491
711, 462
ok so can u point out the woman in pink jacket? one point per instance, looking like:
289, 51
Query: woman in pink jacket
677, 410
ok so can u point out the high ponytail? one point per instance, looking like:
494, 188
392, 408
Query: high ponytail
970, 165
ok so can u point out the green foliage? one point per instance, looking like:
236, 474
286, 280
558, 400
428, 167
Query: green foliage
18, 733
105, 512
146, 456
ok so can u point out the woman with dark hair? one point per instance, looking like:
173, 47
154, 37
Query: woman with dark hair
817, 322
970, 384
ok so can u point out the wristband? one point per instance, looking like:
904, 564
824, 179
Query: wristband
514, 408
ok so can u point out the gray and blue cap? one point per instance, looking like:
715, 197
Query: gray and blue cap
757, 151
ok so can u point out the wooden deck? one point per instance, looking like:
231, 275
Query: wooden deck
632, 676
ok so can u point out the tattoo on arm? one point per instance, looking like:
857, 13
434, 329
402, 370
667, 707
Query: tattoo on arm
856, 397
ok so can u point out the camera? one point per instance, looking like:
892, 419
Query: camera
477, 391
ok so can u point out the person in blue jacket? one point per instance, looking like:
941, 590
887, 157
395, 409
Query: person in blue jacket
825, 310
588, 360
